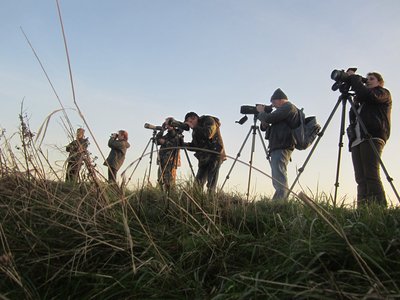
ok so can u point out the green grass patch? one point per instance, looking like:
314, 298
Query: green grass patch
83, 241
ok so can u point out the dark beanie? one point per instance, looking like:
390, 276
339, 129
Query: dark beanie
190, 114
278, 94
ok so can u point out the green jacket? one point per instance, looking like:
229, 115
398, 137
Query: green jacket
77, 149
117, 154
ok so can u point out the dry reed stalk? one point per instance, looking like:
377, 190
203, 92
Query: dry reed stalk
71, 130
73, 88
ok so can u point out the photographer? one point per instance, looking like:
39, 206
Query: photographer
118, 143
169, 154
374, 104
206, 135
281, 143
77, 150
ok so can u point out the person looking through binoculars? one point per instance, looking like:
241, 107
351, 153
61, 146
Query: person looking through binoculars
118, 143
206, 135
169, 154
77, 150
374, 104
279, 124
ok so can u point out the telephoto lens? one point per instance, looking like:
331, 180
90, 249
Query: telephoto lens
152, 127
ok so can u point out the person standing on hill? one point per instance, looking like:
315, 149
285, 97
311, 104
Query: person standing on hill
374, 105
77, 151
206, 135
118, 143
169, 155
279, 122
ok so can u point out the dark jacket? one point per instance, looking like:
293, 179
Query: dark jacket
282, 120
376, 108
117, 154
207, 135
77, 150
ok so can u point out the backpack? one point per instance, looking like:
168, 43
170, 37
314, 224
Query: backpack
305, 134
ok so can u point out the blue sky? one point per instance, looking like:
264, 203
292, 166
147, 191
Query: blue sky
140, 61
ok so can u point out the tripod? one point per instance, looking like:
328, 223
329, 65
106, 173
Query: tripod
254, 129
345, 97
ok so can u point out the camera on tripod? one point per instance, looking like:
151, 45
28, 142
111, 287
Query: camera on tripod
152, 127
251, 110
341, 78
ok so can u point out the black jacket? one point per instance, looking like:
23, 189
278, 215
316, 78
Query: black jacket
376, 108
282, 120
207, 135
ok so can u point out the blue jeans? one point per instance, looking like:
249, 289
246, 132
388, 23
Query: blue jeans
279, 160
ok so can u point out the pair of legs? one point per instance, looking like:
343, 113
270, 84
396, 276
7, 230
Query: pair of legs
168, 163
167, 176
73, 169
279, 160
208, 171
366, 170
112, 175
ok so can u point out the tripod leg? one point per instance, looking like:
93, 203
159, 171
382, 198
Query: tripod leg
340, 145
301, 169
253, 146
153, 145
237, 157
190, 163
139, 160
151, 158
263, 143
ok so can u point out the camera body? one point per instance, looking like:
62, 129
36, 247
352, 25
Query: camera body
252, 110
178, 124
341, 78
114, 135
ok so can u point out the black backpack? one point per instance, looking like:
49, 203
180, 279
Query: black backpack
305, 134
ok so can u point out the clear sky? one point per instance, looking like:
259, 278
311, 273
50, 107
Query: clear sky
141, 61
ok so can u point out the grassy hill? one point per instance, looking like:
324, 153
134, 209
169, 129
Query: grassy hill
62, 241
